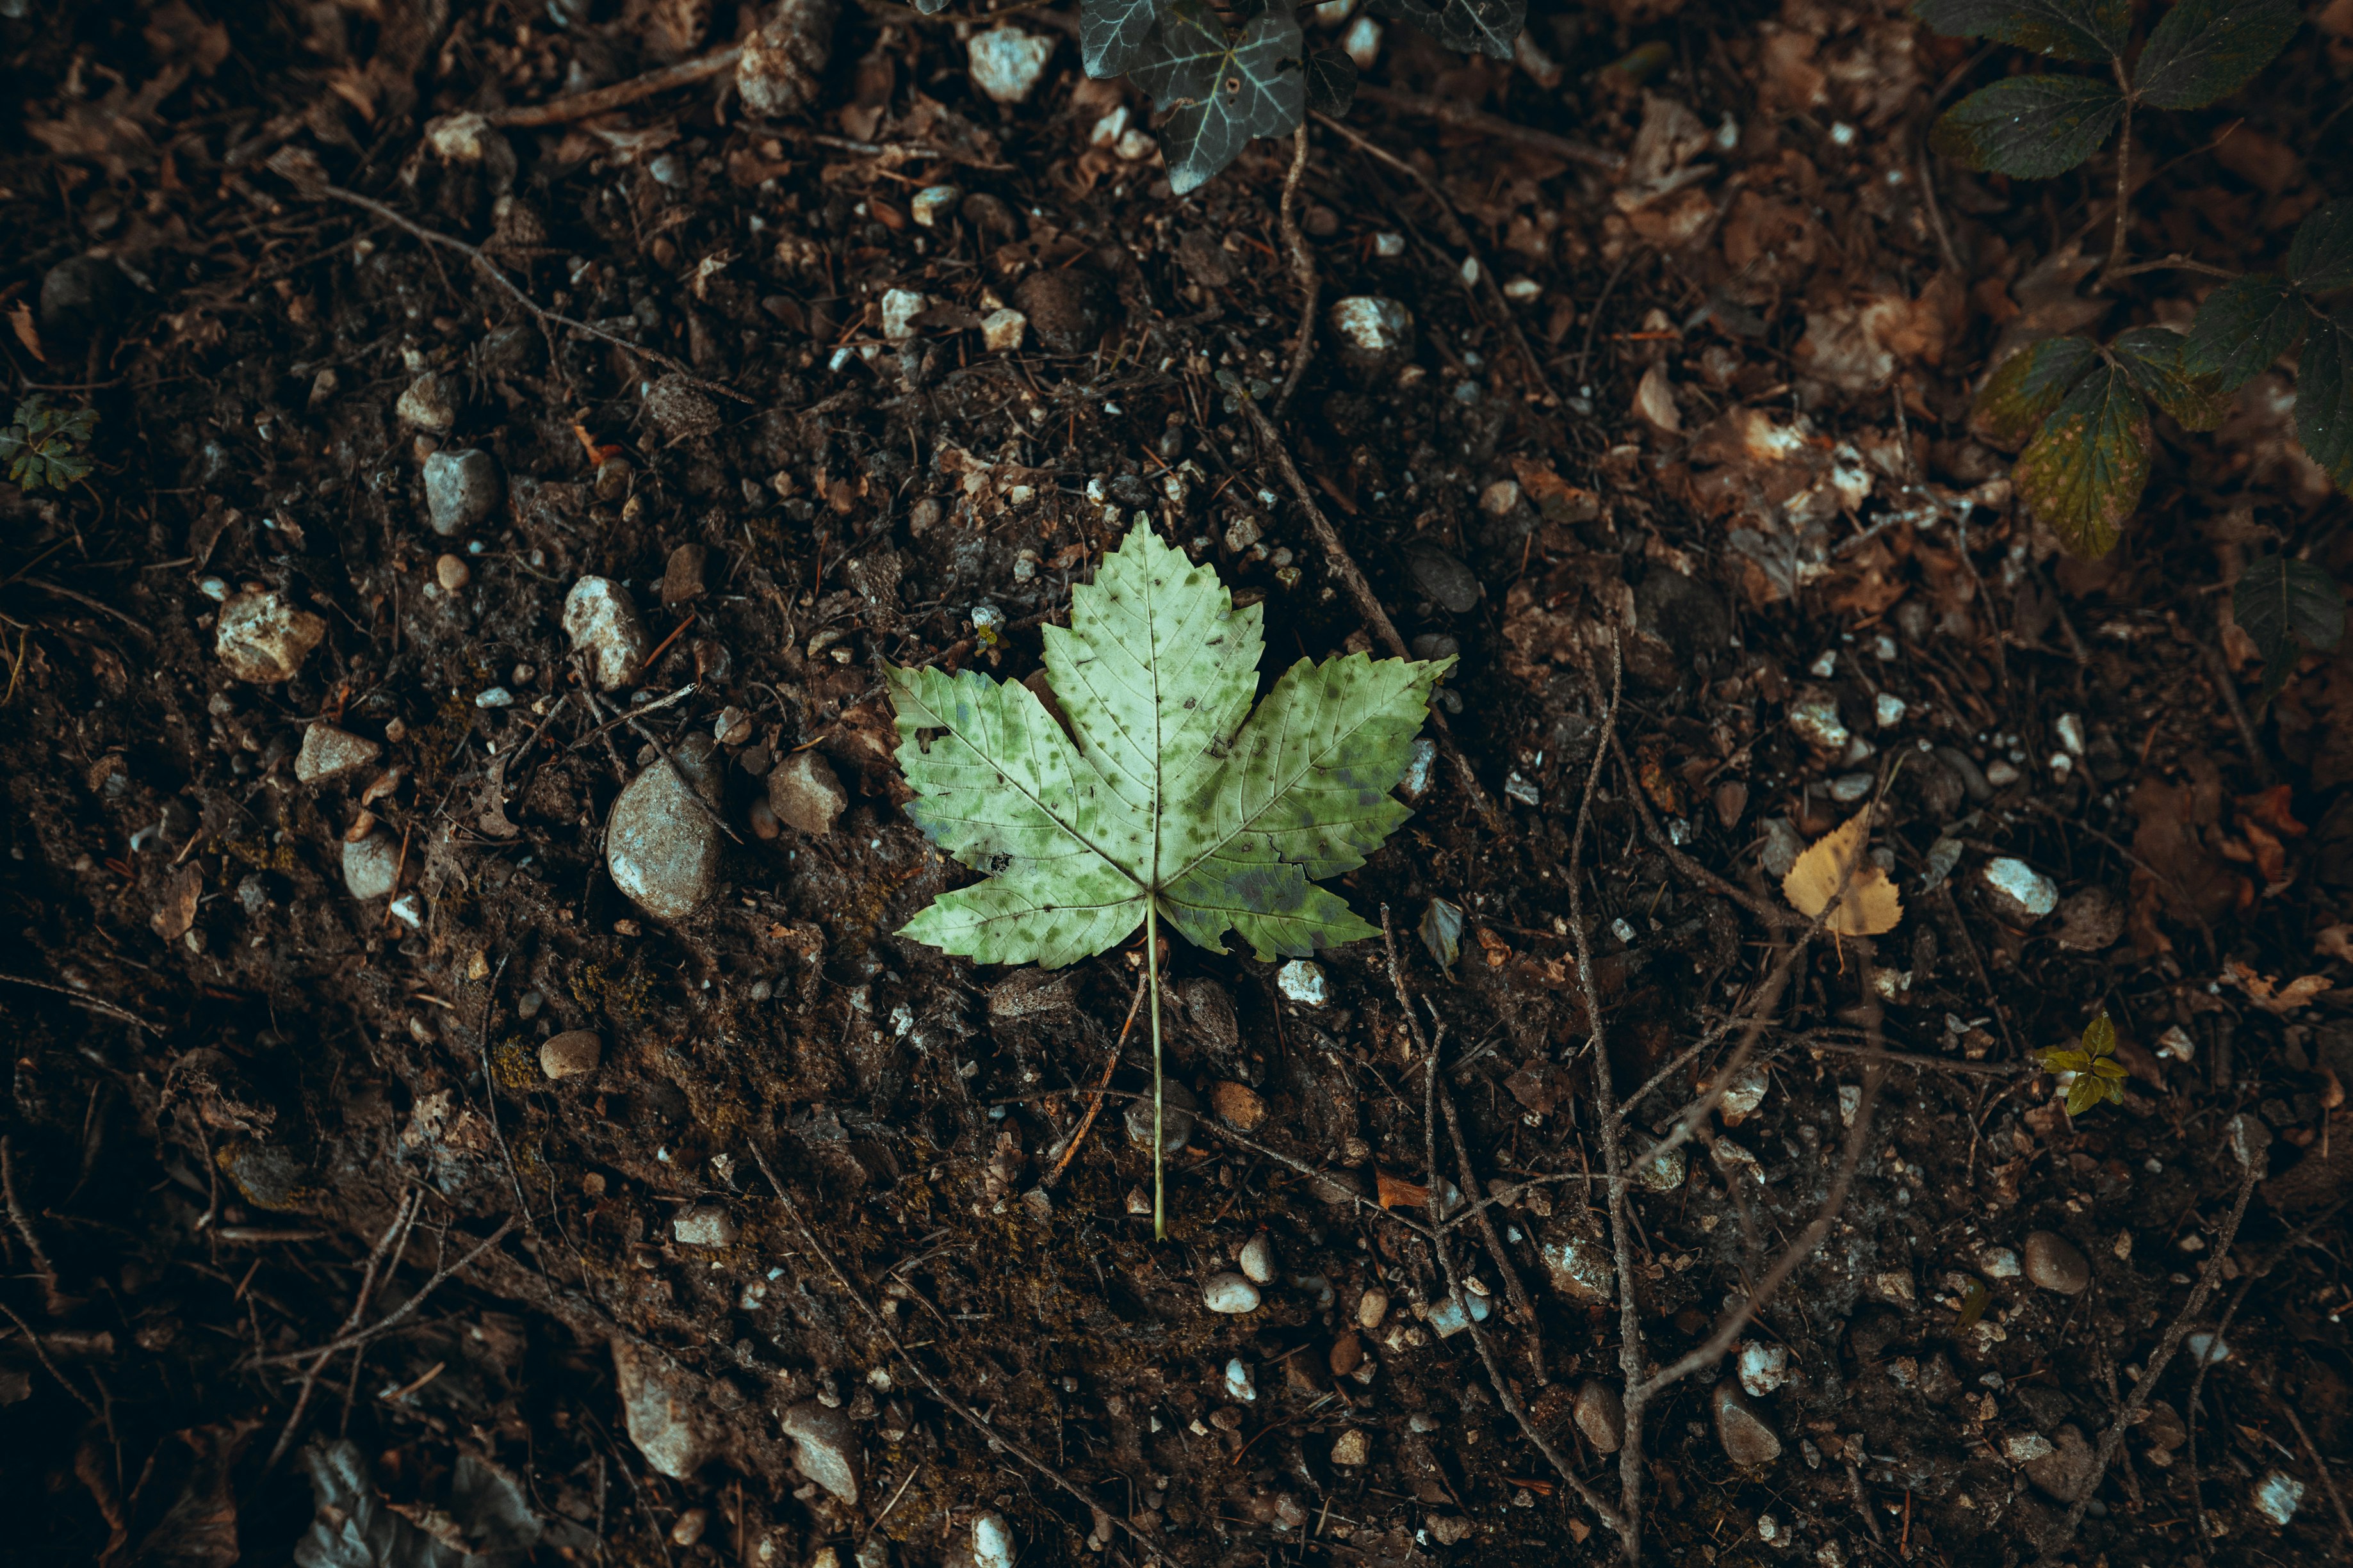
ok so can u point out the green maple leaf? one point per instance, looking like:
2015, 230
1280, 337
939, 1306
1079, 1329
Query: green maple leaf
2098, 1075
1167, 797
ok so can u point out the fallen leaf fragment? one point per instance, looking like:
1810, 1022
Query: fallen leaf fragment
1837, 861
1396, 1192
2269, 994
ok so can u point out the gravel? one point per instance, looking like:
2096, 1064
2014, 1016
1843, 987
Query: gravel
460, 489
1763, 1368
328, 753
2065, 1471
602, 622
1374, 335
2053, 1262
1302, 980
1601, 1415
1064, 308
1229, 1294
704, 1224
1177, 1108
1579, 1266
661, 1410
1354, 1447
1238, 1105
264, 639
570, 1054
662, 847
429, 403
1258, 1258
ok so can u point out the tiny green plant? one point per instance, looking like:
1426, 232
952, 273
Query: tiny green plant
2098, 1075
44, 445
1220, 85
2288, 607
1167, 797
2080, 410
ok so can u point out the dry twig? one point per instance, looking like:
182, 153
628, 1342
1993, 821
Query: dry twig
350, 1340
404, 1220
53, 1298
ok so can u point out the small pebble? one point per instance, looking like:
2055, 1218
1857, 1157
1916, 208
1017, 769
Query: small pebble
1007, 62
1815, 718
1229, 1294
1848, 788
1372, 1309
1001, 330
683, 575
1748, 1440
804, 793
1418, 768
1744, 1093
705, 1225
1238, 1382
899, 308
1580, 1268
680, 410
371, 865
263, 640
1498, 498
1258, 1260
328, 752
452, 573
1178, 1109
429, 403
602, 622
2000, 772
2018, 893
933, 203
1763, 1368
825, 1446
1663, 1172
1449, 1528
1601, 1415
1354, 1447
1998, 1263
1374, 336
571, 1053
2053, 1262
690, 1527
2278, 1497
992, 1544
1303, 981
461, 490
1237, 1105
1888, 708
2065, 1471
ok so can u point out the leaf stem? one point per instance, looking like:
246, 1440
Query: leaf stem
1152, 976
2124, 182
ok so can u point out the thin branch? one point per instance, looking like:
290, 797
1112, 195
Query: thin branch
351, 1341
1462, 116
996, 1438
1094, 1105
42, 1355
1428, 1051
404, 1218
1302, 267
598, 101
2320, 1465
52, 1298
1522, 1307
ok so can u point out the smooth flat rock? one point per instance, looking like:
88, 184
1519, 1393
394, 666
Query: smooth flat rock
825, 1446
662, 847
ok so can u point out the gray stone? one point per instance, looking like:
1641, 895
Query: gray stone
1443, 578
371, 866
2053, 1262
1579, 1264
662, 847
1177, 1108
462, 489
1601, 1415
663, 1413
680, 411
1032, 993
1374, 336
570, 1054
782, 63
328, 752
1303, 981
429, 403
2018, 894
262, 639
1748, 1440
825, 1448
602, 622
1007, 62
704, 1224
804, 793
1763, 1367
2064, 1472
1229, 1294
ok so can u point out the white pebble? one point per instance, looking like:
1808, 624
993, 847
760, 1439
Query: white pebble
1238, 1383
1258, 1260
1763, 1368
1303, 981
1229, 1294
1007, 62
602, 622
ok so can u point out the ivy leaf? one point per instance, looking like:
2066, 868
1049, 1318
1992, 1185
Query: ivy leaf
2150, 358
1112, 33
1220, 89
2320, 258
1481, 26
2084, 472
2029, 126
1163, 794
2031, 384
1331, 82
2324, 397
2287, 605
2061, 29
2206, 50
2243, 327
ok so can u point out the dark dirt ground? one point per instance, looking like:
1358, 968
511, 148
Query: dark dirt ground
230, 1079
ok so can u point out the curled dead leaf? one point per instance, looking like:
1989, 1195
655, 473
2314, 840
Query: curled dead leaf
1837, 863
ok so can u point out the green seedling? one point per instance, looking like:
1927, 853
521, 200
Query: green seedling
2098, 1075
1157, 792
44, 445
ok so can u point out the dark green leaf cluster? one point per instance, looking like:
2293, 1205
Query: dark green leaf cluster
2098, 1075
2287, 606
1222, 86
2081, 410
2248, 323
2037, 126
44, 445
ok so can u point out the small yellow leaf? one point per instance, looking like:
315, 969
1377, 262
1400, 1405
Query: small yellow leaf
1837, 861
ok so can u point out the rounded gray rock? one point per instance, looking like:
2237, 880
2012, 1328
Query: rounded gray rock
660, 846
1229, 1294
2053, 1262
371, 866
462, 489
1177, 1106
1748, 1440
